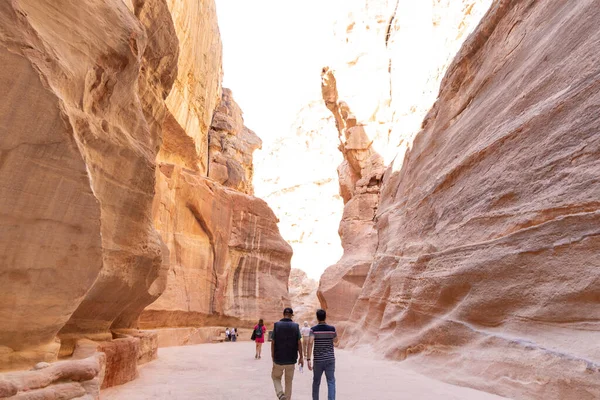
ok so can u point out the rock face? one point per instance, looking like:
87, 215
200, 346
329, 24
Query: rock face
104, 137
360, 180
77, 379
79, 253
377, 118
197, 89
486, 269
231, 145
303, 296
228, 262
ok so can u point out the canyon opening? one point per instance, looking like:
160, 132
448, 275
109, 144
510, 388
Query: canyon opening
179, 176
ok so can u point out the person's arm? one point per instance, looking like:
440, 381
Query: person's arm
309, 350
273, 345
336, 340
301, 356
273, 350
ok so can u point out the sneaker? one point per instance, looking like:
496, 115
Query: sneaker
281, 397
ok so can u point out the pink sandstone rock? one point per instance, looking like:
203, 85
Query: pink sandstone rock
231, 145
303, 297
486, 269
79, 250
225, 247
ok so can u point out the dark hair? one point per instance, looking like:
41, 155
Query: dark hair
321, 315
260, 322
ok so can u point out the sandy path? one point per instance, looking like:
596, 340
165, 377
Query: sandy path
228, 371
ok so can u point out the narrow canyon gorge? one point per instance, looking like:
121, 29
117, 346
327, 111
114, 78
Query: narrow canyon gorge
445, 180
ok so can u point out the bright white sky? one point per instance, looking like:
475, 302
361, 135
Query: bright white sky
273, 52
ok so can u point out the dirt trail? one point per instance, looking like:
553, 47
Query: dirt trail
228, 371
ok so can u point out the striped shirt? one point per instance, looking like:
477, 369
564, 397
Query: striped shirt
323, 336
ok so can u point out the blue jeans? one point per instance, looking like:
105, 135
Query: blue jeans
329, 368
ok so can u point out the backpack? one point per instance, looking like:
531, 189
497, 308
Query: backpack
258, 332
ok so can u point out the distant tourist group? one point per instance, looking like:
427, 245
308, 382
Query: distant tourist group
290, 344
231, 334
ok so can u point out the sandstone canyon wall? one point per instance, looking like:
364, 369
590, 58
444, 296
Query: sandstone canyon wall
303, 296
227, 263
106, 203
81, 128
486, 269
403, 48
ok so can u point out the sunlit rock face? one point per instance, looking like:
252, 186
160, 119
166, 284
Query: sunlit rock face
231, 145
297, 178
226, 262
486, 270
80, 129
97, 152
197, 88
303, 297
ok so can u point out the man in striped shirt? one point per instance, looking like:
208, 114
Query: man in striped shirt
323, 337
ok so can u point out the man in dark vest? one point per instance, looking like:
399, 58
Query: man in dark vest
286, 349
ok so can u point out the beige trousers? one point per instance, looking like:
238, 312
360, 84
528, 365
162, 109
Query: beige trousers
305, 346
276, 375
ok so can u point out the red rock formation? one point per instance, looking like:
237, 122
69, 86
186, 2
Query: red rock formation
360, 180
197, 89
228, 262
486, 269
231, 145
80, 257
80, 253
303, 296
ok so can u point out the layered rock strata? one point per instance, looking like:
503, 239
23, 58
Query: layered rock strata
486, 269
228, 264
80, 378
359, 178
225, 260
231, 145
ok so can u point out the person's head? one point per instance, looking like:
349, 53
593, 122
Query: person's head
288, 313
260, 322
321, 315
305, 323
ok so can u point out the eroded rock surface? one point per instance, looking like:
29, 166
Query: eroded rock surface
228, 263
359, 178
104, 137
303, 296
197, 88
231, 145
486, 269
80, 132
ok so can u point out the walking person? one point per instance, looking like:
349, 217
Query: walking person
323, 337
286, 349
305, 331
259, 337
227, 333
233, 334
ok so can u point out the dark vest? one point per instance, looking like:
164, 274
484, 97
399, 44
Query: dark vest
286, 333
